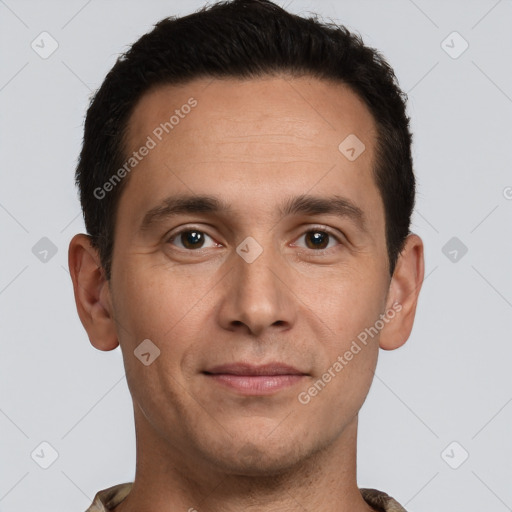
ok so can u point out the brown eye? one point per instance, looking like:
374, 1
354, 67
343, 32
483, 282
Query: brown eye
190, 239
317, 239
320, 240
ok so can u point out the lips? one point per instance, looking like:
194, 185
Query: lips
254, 370
255, 380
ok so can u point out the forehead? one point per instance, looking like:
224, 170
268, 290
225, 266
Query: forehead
271, 105
274, 133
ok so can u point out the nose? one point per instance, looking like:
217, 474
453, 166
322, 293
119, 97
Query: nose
258, 293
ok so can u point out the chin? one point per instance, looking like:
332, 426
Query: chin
258, 458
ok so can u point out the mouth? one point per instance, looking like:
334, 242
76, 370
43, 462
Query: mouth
247, 379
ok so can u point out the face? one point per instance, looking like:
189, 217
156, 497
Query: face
283, 263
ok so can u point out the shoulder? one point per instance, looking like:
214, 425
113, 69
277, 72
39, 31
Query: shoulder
381, 501
109, 498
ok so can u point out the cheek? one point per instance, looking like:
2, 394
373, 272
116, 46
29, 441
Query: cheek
352, 305
349, 305
347, 302
334, 398
150, 307
152, 302
170, 310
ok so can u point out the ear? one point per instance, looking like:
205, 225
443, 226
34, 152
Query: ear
403, 293
92, 293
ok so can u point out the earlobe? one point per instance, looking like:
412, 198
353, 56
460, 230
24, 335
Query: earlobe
403, 294
92, 293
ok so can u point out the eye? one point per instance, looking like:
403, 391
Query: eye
319, 239
190, 239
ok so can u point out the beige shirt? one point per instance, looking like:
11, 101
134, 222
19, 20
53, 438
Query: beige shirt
107, 499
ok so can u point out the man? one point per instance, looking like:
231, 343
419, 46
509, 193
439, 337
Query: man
247, 186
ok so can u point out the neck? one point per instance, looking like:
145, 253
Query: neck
168, 479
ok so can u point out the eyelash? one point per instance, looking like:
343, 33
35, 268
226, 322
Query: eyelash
314, 229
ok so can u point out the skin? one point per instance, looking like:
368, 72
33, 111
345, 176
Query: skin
251, 144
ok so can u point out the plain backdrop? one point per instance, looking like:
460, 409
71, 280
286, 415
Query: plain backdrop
435, 431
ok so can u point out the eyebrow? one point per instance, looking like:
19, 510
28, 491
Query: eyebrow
303, 204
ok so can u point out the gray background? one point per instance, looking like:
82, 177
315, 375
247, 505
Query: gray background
451, 382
